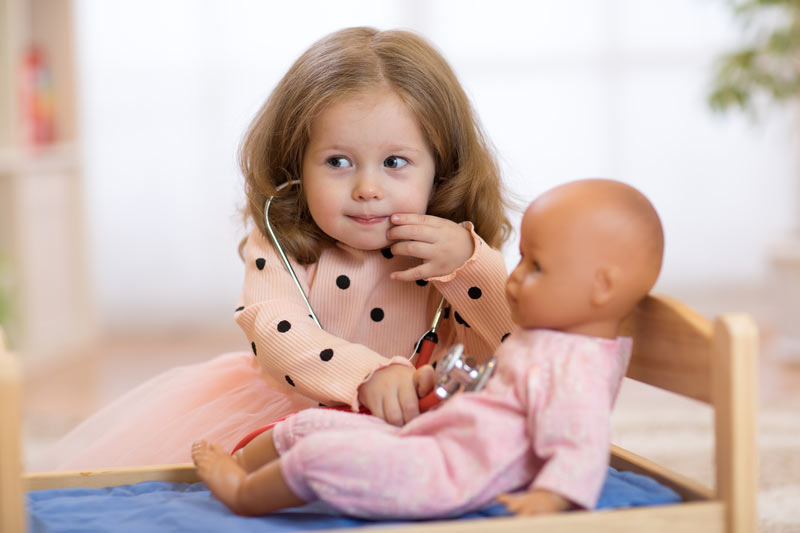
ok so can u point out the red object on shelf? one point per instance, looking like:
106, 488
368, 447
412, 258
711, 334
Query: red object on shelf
37, 110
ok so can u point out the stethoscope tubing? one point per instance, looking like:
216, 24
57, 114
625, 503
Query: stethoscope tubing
282, 254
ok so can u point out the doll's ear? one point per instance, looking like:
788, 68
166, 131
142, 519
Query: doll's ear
606, 284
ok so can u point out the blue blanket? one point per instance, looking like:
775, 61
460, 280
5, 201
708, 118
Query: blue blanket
156, 506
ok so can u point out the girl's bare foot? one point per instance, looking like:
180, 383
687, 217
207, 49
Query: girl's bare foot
221, 473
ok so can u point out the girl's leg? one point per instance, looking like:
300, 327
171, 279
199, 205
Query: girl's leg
258, 493
258, 452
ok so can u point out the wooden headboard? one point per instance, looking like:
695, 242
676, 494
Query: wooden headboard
677, 349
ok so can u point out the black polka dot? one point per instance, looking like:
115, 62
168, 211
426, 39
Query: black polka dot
289, 381
421, 282
434, 364
387, 253
326, 354
253, 346
322, 404
447, 312
240, 308
343, 282
503, 339
260, 262
284, 326
376, 314
474, 293
459, 319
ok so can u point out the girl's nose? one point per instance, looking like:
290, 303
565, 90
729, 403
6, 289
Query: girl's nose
367, 188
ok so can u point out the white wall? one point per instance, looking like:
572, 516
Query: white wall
565, 89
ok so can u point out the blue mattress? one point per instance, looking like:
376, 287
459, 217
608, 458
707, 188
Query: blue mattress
156, 506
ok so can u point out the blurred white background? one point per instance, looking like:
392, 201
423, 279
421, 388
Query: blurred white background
564, 88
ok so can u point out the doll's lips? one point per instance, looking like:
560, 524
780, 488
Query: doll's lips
368, 220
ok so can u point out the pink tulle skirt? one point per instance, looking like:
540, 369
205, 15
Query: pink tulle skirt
221, 400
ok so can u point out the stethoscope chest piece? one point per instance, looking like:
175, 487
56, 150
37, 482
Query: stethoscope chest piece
455, 372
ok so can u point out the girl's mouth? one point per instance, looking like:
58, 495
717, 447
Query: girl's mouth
367, 220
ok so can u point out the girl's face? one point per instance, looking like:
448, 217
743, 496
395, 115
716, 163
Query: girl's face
366, 159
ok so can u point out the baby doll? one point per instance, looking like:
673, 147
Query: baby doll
590, 250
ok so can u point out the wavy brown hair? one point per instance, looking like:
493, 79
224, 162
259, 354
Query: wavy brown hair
348, 62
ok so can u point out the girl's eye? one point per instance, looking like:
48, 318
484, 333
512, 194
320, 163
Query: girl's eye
394, 161
536, 266
338, 162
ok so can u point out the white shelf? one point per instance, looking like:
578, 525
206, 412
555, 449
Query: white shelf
32, 160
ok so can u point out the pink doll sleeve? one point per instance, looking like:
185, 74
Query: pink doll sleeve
288, 345
478, 315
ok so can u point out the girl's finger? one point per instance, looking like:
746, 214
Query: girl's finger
413, 232
409, 401
420, 250
424, 380
415, 218
412, 274
391, 408
377, 409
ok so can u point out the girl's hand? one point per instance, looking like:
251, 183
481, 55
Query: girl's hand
442, 244
391, 394
424, 380
535, 501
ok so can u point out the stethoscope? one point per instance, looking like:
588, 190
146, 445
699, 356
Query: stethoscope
454, 371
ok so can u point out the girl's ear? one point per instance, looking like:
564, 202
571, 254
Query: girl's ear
606, 284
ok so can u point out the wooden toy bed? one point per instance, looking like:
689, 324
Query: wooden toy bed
675, 348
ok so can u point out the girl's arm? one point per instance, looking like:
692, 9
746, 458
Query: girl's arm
287, 343
478, 316
465, 270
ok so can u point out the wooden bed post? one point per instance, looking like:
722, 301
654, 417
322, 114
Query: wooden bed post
12, 512
735, 369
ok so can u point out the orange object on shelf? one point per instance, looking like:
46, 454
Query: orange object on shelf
37, 108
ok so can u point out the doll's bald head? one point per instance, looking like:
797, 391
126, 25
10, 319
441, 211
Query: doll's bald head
593, 249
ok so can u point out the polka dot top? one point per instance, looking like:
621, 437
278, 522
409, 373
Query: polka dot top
369, 321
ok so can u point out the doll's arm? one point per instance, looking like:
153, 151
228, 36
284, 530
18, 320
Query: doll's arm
569, 421
535, 501
286, 342
478, 314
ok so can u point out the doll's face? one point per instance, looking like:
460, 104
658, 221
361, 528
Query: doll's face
591, 249
366, 159
551, 287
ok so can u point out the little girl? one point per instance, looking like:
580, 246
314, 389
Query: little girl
386, 198
590, 251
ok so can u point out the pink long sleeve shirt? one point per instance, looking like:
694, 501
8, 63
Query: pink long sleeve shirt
369, 320
542, 422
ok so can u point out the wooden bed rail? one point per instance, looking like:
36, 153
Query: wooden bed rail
12, 512
734, 379
677, 349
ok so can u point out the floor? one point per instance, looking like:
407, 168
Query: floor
673, 431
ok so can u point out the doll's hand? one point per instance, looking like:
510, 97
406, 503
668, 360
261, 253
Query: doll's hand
424, 380
535, 501
391, 394
442, 244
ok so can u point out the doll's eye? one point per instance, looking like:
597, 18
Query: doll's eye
394, 161
338, 162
